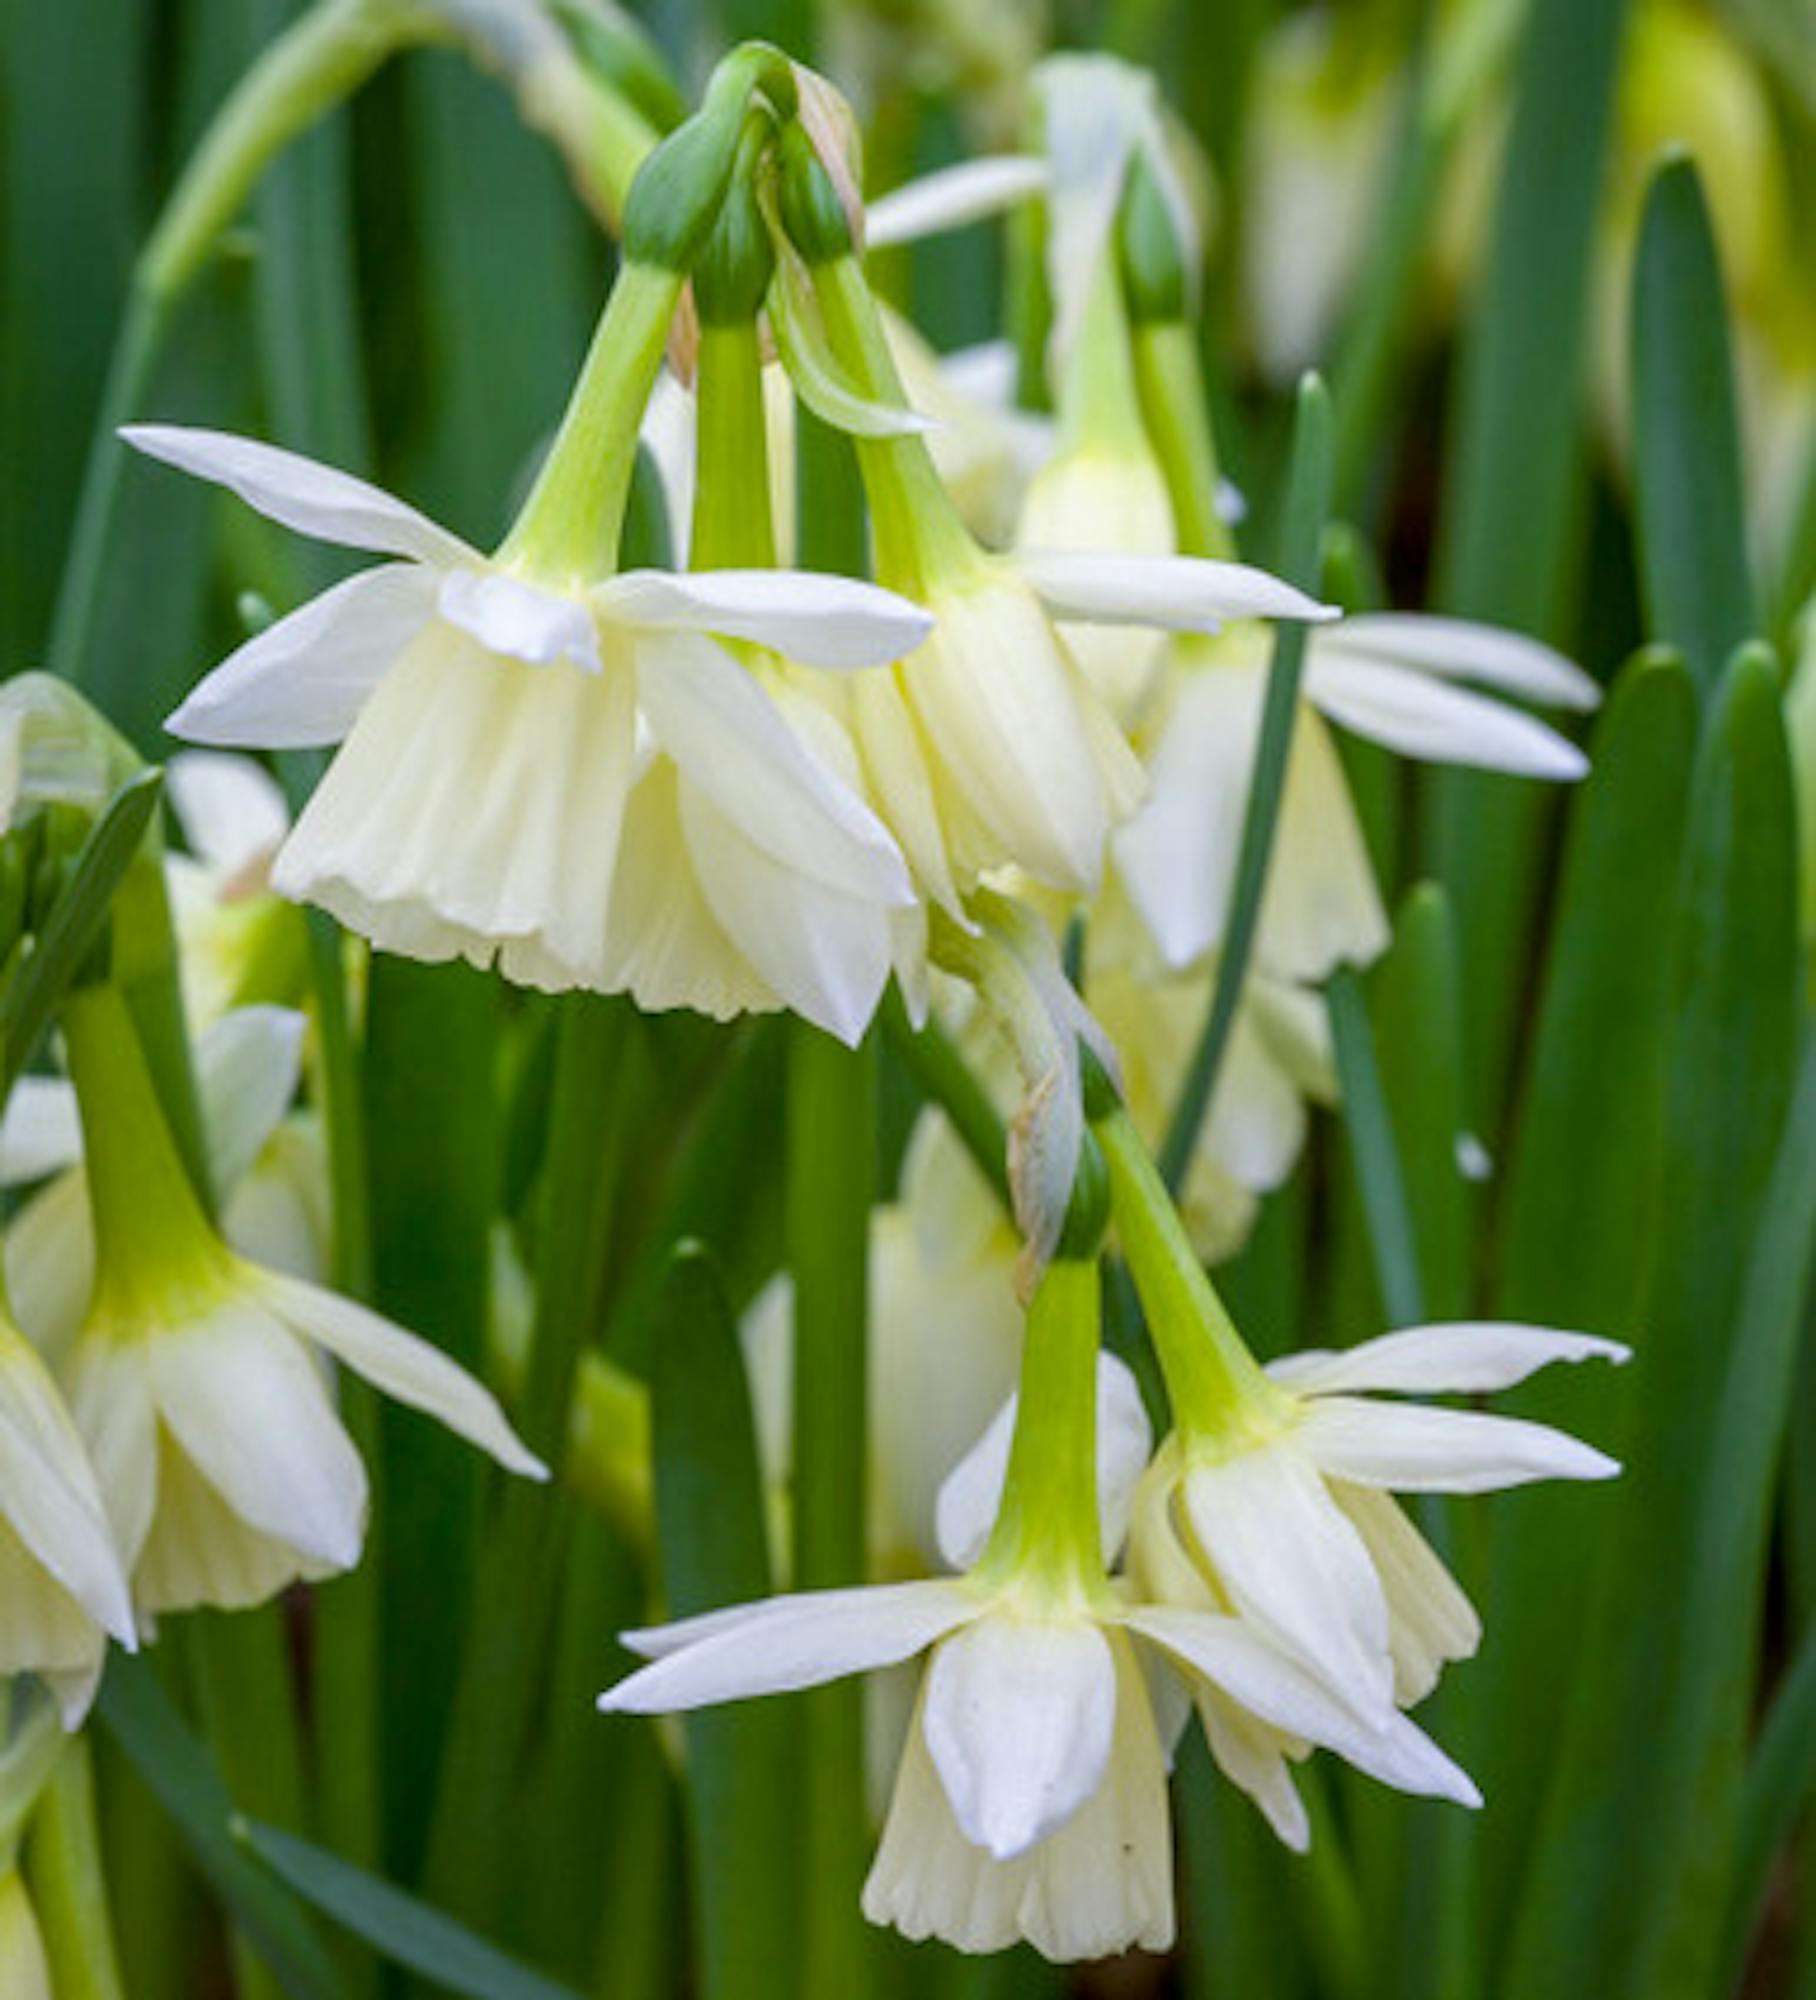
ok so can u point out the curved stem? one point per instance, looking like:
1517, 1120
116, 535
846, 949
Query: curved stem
63, 1862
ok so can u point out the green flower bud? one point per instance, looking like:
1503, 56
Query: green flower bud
734, 269
811, 210
1154, 272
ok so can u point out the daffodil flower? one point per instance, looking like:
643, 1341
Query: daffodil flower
1031, 1796
569, 777
196, 1379
1392, 678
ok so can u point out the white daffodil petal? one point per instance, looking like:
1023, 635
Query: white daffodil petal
303, 681
951, 197
48, 1493
1291, 1561
727, 737
316, 500
1253, 1757
232, 810
827, 954
111, 1401
822, 621
1430, 1620
1102, 1883
782, 1643
41, 1133
50, 1263
1456, 646
1457, 1358
1421, 717
407, 1369
1176, 593
973, 1490
247, 1067
1412, 1449
1019, 1718
247, 1408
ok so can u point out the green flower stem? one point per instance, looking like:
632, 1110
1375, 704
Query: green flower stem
326, 56
1212, 1378
1177, 412
917, 528
69, 1890
1046, 1528
1308, 489
569, 528
828, 1192
1379, 1174
148, 1220
500, 1667
733, 527
1099, 401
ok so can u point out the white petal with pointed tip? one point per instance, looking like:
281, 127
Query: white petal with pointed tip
822, 621
314, 499
48, 1493
1421, 717
1455, 1358
1019, 1718
232, 810
520, 619
728, 738
303, 681
248, 1064
1412, 1449
782, 1643
1290, 1560
951, 197
247, 1408
407, 1369
1458, 647
1177, 593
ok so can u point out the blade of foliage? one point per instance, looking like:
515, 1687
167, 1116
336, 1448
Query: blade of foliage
1579, 1221
399, 1927
1729, 1053
75, 924
1686, 446
1512, 479
140, 1718
1375, 1153
1781, 1776
743, 1794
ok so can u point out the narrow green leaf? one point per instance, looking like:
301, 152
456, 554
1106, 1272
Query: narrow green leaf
1781, 1779
139, 1717
830, 1186
1302, 526
1513, 483
1700, 1755
1579, 1220
1729, 1055
1375, 1153
74, 926
407, 1932
744, 1801
1686, 444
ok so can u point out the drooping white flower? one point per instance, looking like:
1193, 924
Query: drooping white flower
196, 1377
571, 778
1282, 1511
1030, 1801
1389, 677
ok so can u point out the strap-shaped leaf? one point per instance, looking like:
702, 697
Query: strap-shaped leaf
1686, 446
397, 1926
